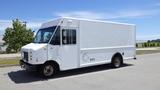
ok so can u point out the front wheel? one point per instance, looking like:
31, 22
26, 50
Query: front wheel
48, 70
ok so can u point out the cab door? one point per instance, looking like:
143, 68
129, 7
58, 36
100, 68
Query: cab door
69, 48
53, 46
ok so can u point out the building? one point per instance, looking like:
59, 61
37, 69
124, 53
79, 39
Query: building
2, 46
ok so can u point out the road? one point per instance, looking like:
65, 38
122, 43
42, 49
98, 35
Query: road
140, 74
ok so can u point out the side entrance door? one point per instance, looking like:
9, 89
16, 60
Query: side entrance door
69, 48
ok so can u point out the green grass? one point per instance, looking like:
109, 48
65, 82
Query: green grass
9, 62
141, 52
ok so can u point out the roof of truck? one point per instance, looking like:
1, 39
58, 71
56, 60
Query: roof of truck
46, 24
96, 20
92, 20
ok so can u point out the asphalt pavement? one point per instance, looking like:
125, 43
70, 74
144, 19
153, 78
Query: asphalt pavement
140, 74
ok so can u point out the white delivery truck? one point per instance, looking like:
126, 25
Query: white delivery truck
70, 43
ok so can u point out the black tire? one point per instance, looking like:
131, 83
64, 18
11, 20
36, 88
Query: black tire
117, 61
48, 70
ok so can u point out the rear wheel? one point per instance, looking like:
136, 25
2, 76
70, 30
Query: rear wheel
117, 61
48, 70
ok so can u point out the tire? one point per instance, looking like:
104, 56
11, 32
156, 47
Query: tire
48, 70
117, 61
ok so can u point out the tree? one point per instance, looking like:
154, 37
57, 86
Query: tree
17, 36
145, 44
158, 44
154, 44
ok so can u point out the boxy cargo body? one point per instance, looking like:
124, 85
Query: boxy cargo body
76, 43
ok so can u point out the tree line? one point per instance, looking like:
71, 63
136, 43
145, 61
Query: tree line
149, 43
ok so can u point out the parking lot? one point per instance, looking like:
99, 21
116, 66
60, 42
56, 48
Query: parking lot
140, 74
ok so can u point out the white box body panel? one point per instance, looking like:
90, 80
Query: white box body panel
100, 34
101, 40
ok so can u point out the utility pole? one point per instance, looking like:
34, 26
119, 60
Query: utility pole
25, 23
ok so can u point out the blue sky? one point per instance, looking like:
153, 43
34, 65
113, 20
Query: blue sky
144, 13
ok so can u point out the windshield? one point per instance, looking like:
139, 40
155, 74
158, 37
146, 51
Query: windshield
44, 35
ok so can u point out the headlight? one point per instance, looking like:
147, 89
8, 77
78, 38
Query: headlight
30, 55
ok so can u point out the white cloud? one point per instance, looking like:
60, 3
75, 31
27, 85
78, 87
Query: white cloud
81, 14
8, 23
5, 21
112, 15
137, 13
34, 24
4, 24
148, 37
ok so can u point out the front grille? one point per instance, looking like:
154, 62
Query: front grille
25, 56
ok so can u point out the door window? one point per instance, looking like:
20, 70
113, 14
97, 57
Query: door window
56, 38
68, 36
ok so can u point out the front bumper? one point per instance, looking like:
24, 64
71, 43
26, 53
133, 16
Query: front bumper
28, 67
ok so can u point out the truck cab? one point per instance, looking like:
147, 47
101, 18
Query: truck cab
48, 52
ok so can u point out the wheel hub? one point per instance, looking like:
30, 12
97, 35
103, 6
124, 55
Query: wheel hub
117, 62
48, 70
